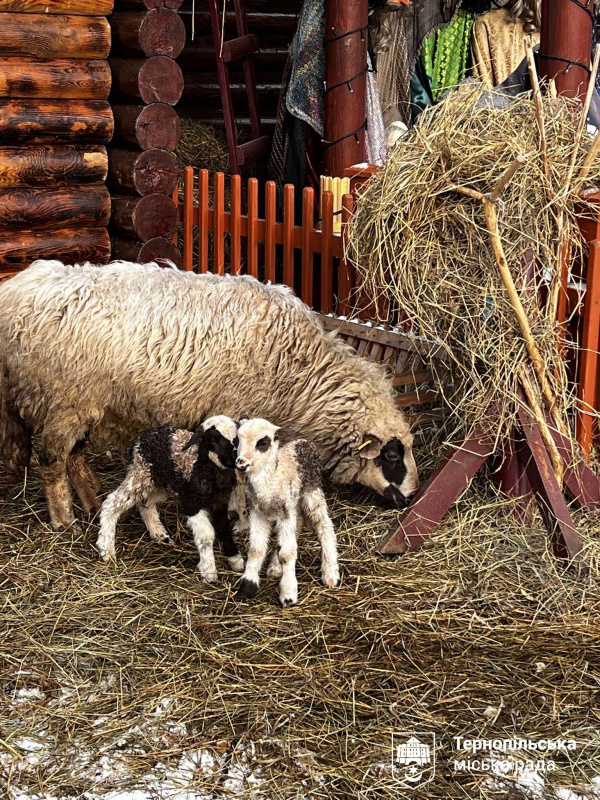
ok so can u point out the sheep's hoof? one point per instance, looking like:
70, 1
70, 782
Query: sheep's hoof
209, 576
286, 602
107, 555
236, 563
247, 590
167, 541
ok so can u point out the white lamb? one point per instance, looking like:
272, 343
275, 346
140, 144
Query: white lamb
283, 483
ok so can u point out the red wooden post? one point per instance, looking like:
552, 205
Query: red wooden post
203, 220
219, 224
345, 274
175, 199
590, 344
236, 224
288, 235
346, 80
270, 220
308, 212
188, 218
326, 253
253, 227
566, 45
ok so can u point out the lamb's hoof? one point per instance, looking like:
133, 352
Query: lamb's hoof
167, 541
73, 527
107, 555
236, 563
247, 589
208, 575
286, 602
331, 579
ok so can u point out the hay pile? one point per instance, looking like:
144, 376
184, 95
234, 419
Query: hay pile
201, 146
136, 676
426, 249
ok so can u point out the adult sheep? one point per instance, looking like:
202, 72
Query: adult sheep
101, 353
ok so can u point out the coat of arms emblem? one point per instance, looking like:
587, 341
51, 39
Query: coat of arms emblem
413, 758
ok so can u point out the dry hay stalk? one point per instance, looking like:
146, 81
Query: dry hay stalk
420, 241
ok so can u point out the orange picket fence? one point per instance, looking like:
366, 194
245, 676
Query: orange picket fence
308, 257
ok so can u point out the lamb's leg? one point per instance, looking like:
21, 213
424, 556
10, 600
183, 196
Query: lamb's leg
116, 504
238, 513
225, 537
274, 569
149, 513
260, 532
204, 537
82, 476
288, 551
315, 509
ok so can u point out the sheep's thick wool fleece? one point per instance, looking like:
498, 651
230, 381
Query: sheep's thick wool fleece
114, 350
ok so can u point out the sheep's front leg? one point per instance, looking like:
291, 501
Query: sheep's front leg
315, 509
260, 532
204, 538
288, 551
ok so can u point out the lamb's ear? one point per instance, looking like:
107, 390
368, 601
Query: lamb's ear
370, 447
285, 435
243, 418
197, 438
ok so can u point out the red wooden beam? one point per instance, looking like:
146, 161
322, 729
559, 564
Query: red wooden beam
346, 81
566, 45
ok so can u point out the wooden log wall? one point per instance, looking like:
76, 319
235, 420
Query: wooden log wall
55, 122
147, 82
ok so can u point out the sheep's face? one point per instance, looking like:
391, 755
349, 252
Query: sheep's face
259, 441
387, 467
221, 438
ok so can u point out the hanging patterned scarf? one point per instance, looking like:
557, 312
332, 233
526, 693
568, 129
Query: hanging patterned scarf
445, 53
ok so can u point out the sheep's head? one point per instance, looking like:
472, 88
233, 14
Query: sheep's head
384, 463
259, 441
220, 435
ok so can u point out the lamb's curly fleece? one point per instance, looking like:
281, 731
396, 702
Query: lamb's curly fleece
109, 351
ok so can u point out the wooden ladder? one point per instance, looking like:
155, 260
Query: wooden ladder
242, 48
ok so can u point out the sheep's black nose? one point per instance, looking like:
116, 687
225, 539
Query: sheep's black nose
241, 467
395, 497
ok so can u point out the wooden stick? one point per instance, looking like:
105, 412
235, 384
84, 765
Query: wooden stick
466, 191
516, 164
589, 160
557, 463
539, 112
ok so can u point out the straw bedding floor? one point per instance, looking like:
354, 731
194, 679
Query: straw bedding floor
135, 682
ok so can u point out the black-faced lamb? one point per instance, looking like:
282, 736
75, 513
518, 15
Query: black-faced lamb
103, 353
283, 481
198, 468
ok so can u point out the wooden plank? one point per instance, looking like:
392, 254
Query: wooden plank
327, 253
219, 209
203, 226
439, 493
80, 7
590, 345
288, 234
411, 377
579, 479
417, 398
270, 220
50, 121
236, 224
60, 36
44, 209
253, 227
308, 212
52, 166
559, 523
188, 220
72, 246
61, 78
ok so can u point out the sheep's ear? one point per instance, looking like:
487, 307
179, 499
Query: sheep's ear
197, 438
285, 435
371, 447
243, 418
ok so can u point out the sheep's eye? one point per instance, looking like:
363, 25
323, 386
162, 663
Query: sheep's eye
263, 444
392, 456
